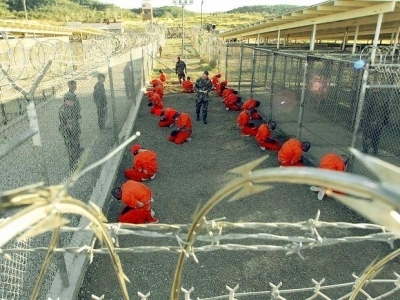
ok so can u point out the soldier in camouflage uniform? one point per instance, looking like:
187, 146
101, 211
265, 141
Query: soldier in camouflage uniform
202, 87
69, 115
180, 70
100, 99
375, 118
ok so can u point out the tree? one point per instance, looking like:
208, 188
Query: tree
18, 5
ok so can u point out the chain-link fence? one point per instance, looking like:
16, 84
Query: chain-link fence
321, 97
57, 114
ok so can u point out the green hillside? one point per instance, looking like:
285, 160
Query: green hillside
58, 12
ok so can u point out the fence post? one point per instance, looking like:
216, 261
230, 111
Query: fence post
285, 58
133, 77
226, 62
144, 84
302, 100
253, 64
271, 86
360, 106
240, 67
114, 110
266, 69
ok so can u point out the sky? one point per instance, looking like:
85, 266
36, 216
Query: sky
210, 6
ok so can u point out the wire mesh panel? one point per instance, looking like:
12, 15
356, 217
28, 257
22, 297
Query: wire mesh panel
378, 134
233, 65
330, 109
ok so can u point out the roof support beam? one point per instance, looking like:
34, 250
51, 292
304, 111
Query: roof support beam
396, 40
351, 3
313, 35
376, 38
353, 51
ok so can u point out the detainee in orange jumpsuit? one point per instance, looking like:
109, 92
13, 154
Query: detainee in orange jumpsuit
155, 102
263, 137
145, 164
251, 105
159, 89
163, 77
166, 116
187, 86
291, 152
220, 87
156, 82
243, 121
138, 200
226, 92
183, 130
333, 162
215, 80
232, 102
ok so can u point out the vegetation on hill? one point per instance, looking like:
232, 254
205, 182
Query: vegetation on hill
266, 9
58, 12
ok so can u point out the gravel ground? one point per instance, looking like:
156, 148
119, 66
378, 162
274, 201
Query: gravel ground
189, 175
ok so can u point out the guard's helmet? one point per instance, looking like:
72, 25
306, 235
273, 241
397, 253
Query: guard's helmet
71, 82
117, 193
306, 146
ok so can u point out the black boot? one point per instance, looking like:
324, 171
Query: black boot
204, 121
198, 117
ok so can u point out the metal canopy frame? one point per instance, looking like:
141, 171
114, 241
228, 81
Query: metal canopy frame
348, 20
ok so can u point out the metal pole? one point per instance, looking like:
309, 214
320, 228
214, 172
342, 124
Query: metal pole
360, 107
396, 40
201, 16
133, 77
258, 39
272, 86
183, 54
253, 65
376, 38
278, 39
353, 51
240, 67
313, 35
226, 63
114, 110
302, 101
144, 83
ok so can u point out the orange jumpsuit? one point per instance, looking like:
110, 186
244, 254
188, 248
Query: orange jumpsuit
227, 92
132, 193
251, 105
263, 137
166, 120
163, 78
157, 102
144, 166
184, 126
187, 86
333, 162
159, 89
231, 102
243, 123
220, 87
291, 153
214, 81
156, 81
